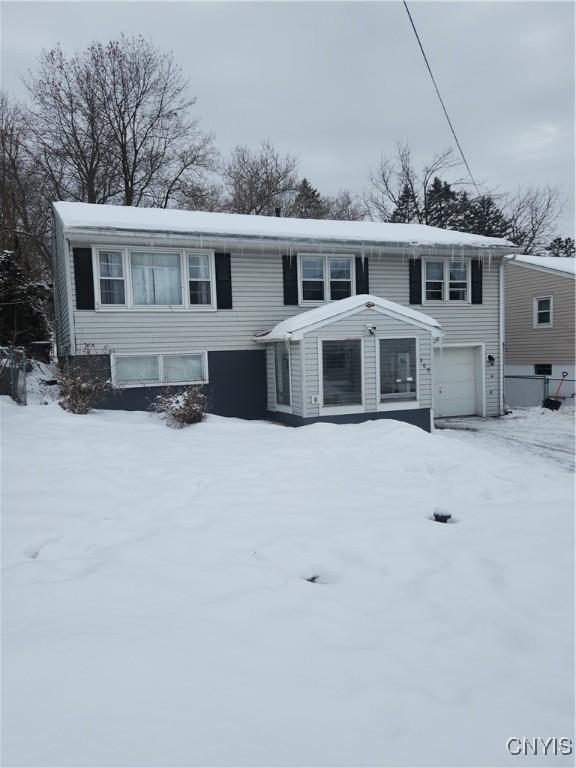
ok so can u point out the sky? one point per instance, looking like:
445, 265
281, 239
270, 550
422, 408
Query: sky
340, 83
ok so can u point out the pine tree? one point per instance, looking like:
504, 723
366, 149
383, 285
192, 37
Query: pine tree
441, 208
24, 302
308, 203
561, 247
406, 210
484, 217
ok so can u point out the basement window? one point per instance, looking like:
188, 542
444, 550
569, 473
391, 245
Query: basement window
159, 369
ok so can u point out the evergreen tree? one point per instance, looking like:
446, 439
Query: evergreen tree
483, 217
561, 247
308, 203
406, 210
442, 205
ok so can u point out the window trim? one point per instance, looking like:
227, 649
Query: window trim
397, 405
160, 355
535, 323
129, 305
335, 409
326, 259
446, 281
278, 406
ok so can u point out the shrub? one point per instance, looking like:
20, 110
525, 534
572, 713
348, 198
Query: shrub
187, 406
82, 382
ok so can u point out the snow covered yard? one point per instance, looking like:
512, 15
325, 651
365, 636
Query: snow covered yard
158, 612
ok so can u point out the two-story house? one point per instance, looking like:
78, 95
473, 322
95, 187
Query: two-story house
540, 317
294, 320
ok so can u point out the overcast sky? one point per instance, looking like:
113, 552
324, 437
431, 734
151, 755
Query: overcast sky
339, 83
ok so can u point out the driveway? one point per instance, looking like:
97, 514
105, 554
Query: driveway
549, 434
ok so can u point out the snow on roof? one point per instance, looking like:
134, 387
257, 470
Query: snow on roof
556, 263
92, 216
295, 326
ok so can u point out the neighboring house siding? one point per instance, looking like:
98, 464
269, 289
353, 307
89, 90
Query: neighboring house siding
355, 326
61, 302
526, 345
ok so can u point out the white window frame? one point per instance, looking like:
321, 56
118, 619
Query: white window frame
334, 409
278, 406
535, 322
326, 260
397, 405
160, 355
446, 282
129, 305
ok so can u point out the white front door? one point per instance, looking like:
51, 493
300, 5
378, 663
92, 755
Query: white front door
455, 379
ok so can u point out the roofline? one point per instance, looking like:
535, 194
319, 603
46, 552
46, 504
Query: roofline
539, 268
298, 335
344, 242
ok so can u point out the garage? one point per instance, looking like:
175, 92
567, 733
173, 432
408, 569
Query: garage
457, 389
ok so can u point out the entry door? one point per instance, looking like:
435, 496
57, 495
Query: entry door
455, 381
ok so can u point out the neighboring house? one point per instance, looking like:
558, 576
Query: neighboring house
294, 320
540, 316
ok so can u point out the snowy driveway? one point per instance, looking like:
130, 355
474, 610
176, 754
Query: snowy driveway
160, 607
548, 434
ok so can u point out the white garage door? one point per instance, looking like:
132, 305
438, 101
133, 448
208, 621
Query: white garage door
455, 381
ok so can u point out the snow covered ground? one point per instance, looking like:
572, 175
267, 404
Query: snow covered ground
157, 610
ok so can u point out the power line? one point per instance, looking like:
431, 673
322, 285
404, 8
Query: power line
440, 97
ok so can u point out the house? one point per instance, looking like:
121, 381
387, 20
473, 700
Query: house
293, 320
540, 317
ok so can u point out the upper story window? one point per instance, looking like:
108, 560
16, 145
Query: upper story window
543, 312
145, 278
325, 278
446, 280
111, 268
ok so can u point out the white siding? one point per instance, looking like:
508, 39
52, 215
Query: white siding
61, 302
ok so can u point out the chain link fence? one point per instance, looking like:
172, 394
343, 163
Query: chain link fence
13, 373
530, 391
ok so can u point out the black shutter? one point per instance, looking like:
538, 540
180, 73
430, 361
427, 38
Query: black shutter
415, 266
476, 281
83, 278
223, 281
362, 283
290, 275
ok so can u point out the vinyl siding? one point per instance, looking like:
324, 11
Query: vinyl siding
257, 288
61, 304
526, 344
354, 327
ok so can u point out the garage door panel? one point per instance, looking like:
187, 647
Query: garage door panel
455, 382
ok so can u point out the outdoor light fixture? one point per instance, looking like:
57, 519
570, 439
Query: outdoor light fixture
491, 359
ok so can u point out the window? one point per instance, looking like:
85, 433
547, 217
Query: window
312, 278
397, 369
158, 369
199, 283
156, 278
434, 280
342, 372
340, 277
446, 279
543, 369
326, 278
112, 290
543, 311
282, 371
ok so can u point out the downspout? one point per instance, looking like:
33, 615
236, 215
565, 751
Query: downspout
501, 332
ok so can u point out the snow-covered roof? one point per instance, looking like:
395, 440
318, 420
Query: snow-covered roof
563, 264
84, 216
295, 327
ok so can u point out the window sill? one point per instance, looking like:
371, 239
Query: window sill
326, 410
151, 308
543, 325
142, 384
444, 302
404, 405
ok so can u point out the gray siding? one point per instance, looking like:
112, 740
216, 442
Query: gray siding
258, 305
355, 326
61, 302
526, 344
297, 382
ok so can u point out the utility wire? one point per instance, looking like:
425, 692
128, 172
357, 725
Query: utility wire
440, 97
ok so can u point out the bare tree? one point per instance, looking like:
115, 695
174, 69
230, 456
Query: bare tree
533, 213
346, 207
395, 184
112, 125
258, 181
